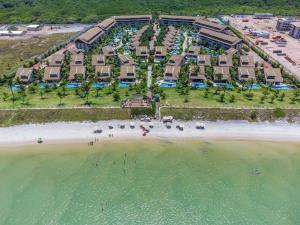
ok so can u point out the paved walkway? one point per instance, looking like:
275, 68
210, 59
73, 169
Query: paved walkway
185, 43
149, 76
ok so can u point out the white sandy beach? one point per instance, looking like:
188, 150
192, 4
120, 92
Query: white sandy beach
75, 132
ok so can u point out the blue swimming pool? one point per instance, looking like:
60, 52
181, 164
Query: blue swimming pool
282, 87
198, 85
125, 84
229, 86
73, 85
117, 37
99, 84
41, 86
14, 87
165, 84
253, 86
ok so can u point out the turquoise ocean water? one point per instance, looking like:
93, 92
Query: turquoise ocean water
151, 182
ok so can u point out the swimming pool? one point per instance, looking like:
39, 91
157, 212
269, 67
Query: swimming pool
73, 85
166, 84
281, 87
100, 84
126, 84
253, 86
198, 85
41, 86
229, 86
14, 87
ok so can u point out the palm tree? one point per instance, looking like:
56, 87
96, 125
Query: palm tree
61, 95
11, 84
86, 89
22, 92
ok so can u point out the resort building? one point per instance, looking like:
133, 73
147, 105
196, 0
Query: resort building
202, 23
56, 60
218, 39
103, 72
231, 51
176, 20
76, 73
107, 24
160, 52
109, 51
246, 60
127, 73
176, 60
295, 30
86, 40
125, 60
197, 73
98, 60
221, 74
77, 59
133, 20
273, 76
204, 60
172, 73
246, 73
142, 52
225, 60
133, 45
52, 74
263, 15
193, 52
25, 75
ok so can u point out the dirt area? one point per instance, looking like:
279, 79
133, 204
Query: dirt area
14, 52
291, 49
46, 30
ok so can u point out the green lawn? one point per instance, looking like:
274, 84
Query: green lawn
196, 98
51, 98
13, 53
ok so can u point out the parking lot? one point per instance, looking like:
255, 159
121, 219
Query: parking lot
287, 52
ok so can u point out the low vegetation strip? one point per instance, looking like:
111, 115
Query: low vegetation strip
62, 11
26, 116
213, 114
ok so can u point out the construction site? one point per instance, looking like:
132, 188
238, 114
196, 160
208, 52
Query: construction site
263, 32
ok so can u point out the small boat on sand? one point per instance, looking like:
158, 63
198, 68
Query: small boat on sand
132, 125
200, 126
97, 130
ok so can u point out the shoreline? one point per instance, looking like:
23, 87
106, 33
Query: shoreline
82, 132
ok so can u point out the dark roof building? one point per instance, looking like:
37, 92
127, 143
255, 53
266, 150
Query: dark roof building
25, 75
221, 74
127, 73
76, 72
246, 73
98, 60
103, 72
176, 60
172, 73
52, 74
273, 76
219, 39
